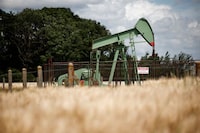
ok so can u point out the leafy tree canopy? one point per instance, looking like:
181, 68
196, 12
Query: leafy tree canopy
31, 37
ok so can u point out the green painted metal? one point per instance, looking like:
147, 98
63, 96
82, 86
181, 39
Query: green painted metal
135, 64
119, 50
142, 28
98, 43
113, 66
80, 74
125, 67
62, 79
97, 72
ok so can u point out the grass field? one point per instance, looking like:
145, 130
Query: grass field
157, 106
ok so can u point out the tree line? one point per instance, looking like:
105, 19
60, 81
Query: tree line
166, 66
29, 38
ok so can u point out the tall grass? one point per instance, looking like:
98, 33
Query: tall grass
157, 106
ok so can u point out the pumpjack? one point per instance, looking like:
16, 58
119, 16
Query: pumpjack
142, 28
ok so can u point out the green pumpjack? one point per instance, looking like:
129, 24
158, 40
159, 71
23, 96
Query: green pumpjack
142, 28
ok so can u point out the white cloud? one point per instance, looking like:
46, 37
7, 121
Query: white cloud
193, 24
147, 9
118, 13
175, 29
194, 28
20, 4
106, 10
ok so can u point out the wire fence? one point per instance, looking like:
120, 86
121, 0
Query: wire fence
156, 69
51, 71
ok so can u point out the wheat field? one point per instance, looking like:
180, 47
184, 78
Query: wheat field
157, 106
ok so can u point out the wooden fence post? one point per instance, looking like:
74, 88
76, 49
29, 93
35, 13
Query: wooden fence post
71, 74
40, 76
4, 80
10, 80
24, 77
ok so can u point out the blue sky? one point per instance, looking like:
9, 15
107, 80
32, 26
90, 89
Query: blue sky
176, 23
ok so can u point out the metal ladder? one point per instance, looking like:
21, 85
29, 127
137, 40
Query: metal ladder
135, 63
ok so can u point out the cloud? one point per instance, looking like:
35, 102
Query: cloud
183, 35
193, 24
176, 23
126, 13
122, 15
21, 4
144, 8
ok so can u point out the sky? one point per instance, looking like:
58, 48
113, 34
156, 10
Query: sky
175, 23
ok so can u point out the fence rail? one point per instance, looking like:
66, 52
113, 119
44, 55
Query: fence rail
51, 71
156, 69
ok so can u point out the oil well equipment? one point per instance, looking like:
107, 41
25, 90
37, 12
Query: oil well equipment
93, 77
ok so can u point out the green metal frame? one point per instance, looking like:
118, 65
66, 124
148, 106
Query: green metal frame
80, 73
142, 28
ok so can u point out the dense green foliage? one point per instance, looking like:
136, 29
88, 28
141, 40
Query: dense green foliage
31, 37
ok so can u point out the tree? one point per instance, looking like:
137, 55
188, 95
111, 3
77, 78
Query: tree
31, 37
8, 53
69, 37
183, 58
167, 66
183, 62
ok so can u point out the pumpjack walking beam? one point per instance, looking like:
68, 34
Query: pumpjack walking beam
142, 28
